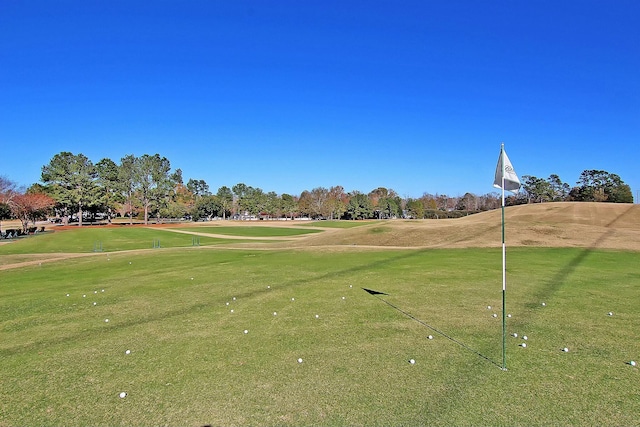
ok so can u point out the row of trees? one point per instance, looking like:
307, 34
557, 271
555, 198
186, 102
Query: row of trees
593, 186
73, 187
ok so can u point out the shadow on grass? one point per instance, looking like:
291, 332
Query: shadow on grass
557, 281
460, 343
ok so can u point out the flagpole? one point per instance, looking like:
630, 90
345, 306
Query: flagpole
504, 272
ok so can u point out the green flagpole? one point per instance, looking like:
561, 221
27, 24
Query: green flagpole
504, 273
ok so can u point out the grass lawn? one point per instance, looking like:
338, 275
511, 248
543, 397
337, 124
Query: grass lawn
88, 239
249, 231
191, 363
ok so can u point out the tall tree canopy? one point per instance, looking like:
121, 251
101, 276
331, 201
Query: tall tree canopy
72, 180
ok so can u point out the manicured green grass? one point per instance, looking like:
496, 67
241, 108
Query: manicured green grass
249, 231
88, 239
192, 364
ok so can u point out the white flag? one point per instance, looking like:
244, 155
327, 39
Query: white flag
511, 181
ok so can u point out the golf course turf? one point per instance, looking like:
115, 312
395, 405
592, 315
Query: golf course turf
190, 361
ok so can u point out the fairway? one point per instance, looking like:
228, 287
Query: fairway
182, 313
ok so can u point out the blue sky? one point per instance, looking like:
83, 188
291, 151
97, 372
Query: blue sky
415, 96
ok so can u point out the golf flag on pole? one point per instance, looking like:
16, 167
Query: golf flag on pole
507, 180
505, 170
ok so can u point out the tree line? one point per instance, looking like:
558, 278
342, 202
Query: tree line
73, 188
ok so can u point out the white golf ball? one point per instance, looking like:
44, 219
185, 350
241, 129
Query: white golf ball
234, 298
127, 352
523, 345
293, 299
412, 361
67, 294
430, 337
632, 363
275, 313
103, 290
515, 335
123, 395
268, 287
300, 360
106, 320
317, 317
343, 298
543, 304
95, 303
84, 296
610, 313
566, 350
488, 307
232, 310
95, 292
525, 338
494, 315
192, 278
227, 303
129, 262
508, 315
351, 286
246, 331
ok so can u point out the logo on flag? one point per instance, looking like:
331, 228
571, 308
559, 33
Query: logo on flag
505, 174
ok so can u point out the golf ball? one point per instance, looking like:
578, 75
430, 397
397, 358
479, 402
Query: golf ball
515, 335
524, 345
488, 307
430, 337
610, 313
300, 360
566, 350
127, 352
268, 287
232, 310
494, 315
246, 331
343, 298
106, 320
508, 315
351, 286
293, 299
192, 278
67, 294
123, 395
525, 337
412, 361
103, 290
84, 296
632, 363
317, 317
543, 304
95, 303
234, 298
275, 313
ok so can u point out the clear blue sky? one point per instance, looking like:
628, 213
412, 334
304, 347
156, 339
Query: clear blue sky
287, 96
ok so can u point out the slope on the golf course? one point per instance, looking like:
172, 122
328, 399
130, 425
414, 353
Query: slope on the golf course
559, 224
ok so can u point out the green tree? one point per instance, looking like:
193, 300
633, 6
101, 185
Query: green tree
225, 198
415, 208
198, 187
153, 182
359, 207
72, 179
537, 189
207, 206
601, 186
110, 186
127, 178
289, 205
559, 190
